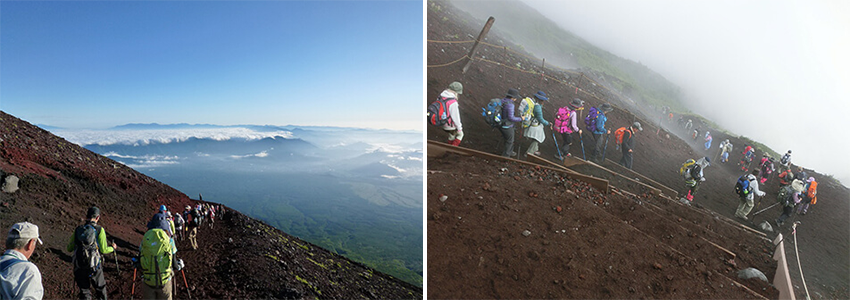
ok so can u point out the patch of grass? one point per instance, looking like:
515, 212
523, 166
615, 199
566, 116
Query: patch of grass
317, 263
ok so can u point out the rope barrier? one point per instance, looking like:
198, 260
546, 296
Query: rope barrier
448, 64
797, 252
451, 42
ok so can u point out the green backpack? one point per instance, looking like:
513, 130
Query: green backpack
156, 257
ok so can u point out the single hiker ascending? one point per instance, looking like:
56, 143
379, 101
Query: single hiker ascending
785, 162
595, 122
725, 149
179, 221
508, 119
786, 177
446, 113
692, 173
194, 221
809, 197
535, 129
19, 277
789, 196
89, 244
626, 138
747, 157
565, 124
707, 140
158, 262
747, 188
767, 168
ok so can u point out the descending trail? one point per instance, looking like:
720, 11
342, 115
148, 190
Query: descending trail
824, 235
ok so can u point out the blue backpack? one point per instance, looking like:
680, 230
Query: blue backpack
742, 187
493, 113
590, 120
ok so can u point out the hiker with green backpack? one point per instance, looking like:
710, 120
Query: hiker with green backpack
789, 196
89, 244
536, 123
692, 173
158, 262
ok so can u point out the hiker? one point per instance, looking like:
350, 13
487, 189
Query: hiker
747, 194
162, 217
696, 133
801, 175
596, 124
627, 139
767, 168
789, 196
193, 221
689, 124
157, 260
785, 162
212, 216
810, 196
707, 140
508, 120
725, 149
20, 278
178, 225
453, 125
692, 171
535, 129
747, 157
785, 178
89, 245
565, 124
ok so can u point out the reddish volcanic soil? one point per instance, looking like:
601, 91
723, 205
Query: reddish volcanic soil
240, 258
476, 249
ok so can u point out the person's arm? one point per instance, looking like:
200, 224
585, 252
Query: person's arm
101, 242
454, 114
627, 141
509, 111
755, 184
573, 118
538, 113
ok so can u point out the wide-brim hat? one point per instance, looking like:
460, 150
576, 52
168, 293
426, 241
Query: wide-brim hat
457, 87
606, 107
541, 96
797, 185
576, 103
513, 93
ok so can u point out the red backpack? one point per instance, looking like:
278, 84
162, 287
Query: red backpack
562, 120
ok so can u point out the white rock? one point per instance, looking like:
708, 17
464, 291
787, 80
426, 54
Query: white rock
526, 232
10, 185
443, 198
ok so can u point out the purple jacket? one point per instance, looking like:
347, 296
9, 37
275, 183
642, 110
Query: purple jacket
508, 116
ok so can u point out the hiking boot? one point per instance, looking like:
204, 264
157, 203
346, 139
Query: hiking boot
741, 217
537, 153
513, 154
779, 223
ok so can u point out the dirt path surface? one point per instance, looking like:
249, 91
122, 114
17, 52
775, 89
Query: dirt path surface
239, 258
823, 237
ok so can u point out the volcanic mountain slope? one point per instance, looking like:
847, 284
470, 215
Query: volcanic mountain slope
239, 258
823, 237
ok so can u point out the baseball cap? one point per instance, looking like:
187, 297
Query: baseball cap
457, 87
25, 230
163, 208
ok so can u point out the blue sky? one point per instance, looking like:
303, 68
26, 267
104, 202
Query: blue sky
100, 64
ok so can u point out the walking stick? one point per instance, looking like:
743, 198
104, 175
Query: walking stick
186, 283
116, 262
582, 146
556, 145
133, 290
766, 208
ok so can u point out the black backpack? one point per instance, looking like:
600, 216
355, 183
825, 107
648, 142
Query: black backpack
196, 218
87, 255
784, 196
695, 169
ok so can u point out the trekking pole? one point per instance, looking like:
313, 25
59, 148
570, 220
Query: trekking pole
766, 208
556, 145
582, 146
133, 289
186, 283
116, 262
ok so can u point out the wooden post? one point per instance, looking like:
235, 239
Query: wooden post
475, 46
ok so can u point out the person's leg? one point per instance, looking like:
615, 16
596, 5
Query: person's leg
508, 135
83, 282
533, 147
568, 140
629, 160
597, 150
99, 284
748, 206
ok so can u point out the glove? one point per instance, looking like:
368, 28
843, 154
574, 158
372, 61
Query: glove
178, 264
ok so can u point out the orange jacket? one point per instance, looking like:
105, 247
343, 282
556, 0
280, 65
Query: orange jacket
813, 192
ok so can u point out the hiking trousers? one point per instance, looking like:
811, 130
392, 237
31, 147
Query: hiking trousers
534, 147
86, 281
745, 206
568, 140
626, 161
597, 150
787, 211
508, 135
193, 237
163, 293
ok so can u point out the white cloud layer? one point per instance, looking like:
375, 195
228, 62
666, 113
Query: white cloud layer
147, 136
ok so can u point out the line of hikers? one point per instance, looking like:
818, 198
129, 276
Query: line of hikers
157, 260
503, 113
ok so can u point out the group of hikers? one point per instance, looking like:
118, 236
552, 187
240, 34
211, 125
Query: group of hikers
513, 112
157, 260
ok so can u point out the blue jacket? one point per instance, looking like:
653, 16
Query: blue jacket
600, 124
508, 116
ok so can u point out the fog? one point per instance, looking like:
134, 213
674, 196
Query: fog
775, 71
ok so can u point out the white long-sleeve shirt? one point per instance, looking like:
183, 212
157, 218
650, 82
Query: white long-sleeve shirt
755, 184
21, 280
454, 113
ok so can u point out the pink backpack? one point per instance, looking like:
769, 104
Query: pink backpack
562, 120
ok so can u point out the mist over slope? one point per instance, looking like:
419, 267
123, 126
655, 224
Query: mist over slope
357, 192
